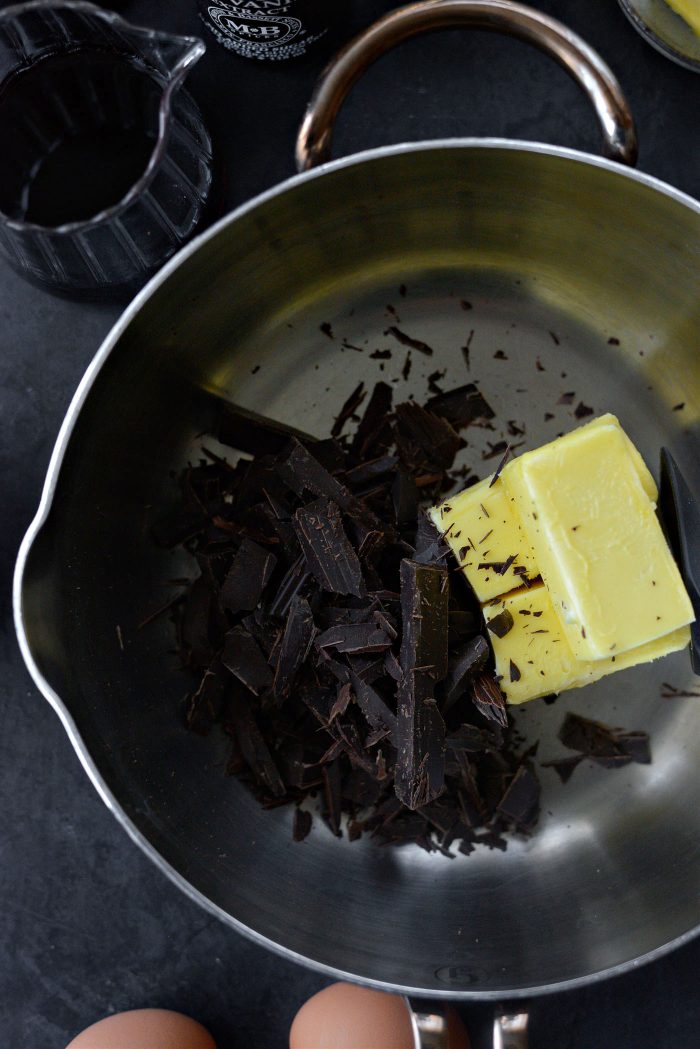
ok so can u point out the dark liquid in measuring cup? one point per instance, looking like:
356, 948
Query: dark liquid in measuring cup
78, 131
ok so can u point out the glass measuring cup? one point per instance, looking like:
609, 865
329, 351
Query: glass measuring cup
106, 161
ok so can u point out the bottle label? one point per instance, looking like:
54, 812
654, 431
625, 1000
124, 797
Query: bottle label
259, 28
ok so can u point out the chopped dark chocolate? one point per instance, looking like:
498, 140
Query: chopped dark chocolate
582, 410
339, 669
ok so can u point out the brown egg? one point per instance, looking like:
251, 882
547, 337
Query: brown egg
144, 1029
347, 1017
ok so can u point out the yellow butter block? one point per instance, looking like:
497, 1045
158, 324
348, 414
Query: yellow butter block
535, 659
484, 533
585, 504
689, 10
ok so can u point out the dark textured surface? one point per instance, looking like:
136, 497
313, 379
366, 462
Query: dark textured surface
87, 924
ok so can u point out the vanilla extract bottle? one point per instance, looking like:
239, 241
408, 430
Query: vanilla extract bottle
272, 30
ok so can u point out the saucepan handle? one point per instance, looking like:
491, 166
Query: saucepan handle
510, 1031
500, 16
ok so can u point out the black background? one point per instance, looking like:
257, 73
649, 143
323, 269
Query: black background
87, 925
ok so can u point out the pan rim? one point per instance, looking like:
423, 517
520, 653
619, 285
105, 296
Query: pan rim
46, 501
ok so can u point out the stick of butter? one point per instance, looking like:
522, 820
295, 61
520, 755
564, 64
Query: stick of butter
535, 659
689, 10
579, 513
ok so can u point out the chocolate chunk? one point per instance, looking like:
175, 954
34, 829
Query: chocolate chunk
375, 709
349, 408
610, 747
253, 433
404, 495
254, 749
303, 822
179, 526
371, 471
473, 740
423, 439
514, 671
567, 398
464, 663
462, 406
501, 624
420, 766
373, 434
327, 550
243, 657
247, 577
332, 793
521, 801
304, 473
582, 410
294, 584
406, 340
294, 647
195, 623
363, 637
564, 767
488, 699
202, 708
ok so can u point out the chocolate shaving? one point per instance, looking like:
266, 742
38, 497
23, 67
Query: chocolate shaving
489, 700
349, 408
502, 463
406, 340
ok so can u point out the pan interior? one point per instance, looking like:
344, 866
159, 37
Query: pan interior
543, 257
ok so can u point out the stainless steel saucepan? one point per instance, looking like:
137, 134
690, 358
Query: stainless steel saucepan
545, 254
